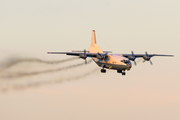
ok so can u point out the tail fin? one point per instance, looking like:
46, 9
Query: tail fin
93, 39
94, 47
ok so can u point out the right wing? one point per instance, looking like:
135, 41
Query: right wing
77, 53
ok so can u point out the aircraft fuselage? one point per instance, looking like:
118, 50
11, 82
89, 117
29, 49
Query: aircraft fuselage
116, 62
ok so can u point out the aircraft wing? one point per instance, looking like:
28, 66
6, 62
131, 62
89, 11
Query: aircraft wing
77, 53
142, 55
103, 54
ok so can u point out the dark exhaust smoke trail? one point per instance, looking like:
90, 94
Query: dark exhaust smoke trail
37, 84
13, 62
15, 75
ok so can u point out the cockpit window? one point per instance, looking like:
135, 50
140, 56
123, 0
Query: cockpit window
125, 61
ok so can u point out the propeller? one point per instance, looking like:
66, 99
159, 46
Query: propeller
132, 57
84, 56
103, 57
147, 58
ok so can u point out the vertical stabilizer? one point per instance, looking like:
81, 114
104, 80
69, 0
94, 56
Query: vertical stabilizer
94, 47
93, 39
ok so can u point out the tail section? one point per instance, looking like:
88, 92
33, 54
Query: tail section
93, 39
94, 47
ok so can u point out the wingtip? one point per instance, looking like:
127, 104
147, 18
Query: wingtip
171, 55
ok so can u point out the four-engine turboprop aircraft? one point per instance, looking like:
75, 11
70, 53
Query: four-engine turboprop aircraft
119, 62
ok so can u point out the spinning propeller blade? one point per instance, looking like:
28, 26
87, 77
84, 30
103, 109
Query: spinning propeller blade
85, 56
151, 62
103, 56
147, 58
133, 58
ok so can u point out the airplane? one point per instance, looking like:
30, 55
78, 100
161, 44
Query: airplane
119, 62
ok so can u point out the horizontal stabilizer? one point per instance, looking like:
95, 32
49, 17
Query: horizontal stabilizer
56, 52
107, 51
79, 51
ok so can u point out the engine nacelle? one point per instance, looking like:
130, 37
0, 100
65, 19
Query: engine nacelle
132, 58
146, 58
106, 57
103, 57
99, 57
82, 56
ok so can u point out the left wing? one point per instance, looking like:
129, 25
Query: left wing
142, 55
145, 56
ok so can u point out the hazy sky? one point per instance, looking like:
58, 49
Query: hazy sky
31, 28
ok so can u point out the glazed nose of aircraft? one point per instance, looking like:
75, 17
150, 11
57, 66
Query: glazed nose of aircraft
129, 65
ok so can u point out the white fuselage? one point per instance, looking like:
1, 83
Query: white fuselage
114, 61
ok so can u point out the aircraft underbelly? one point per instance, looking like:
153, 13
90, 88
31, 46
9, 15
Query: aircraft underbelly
110, 66
118, 67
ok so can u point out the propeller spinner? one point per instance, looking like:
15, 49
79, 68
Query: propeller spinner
132, 57
147, 58
84, 56
103, 57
